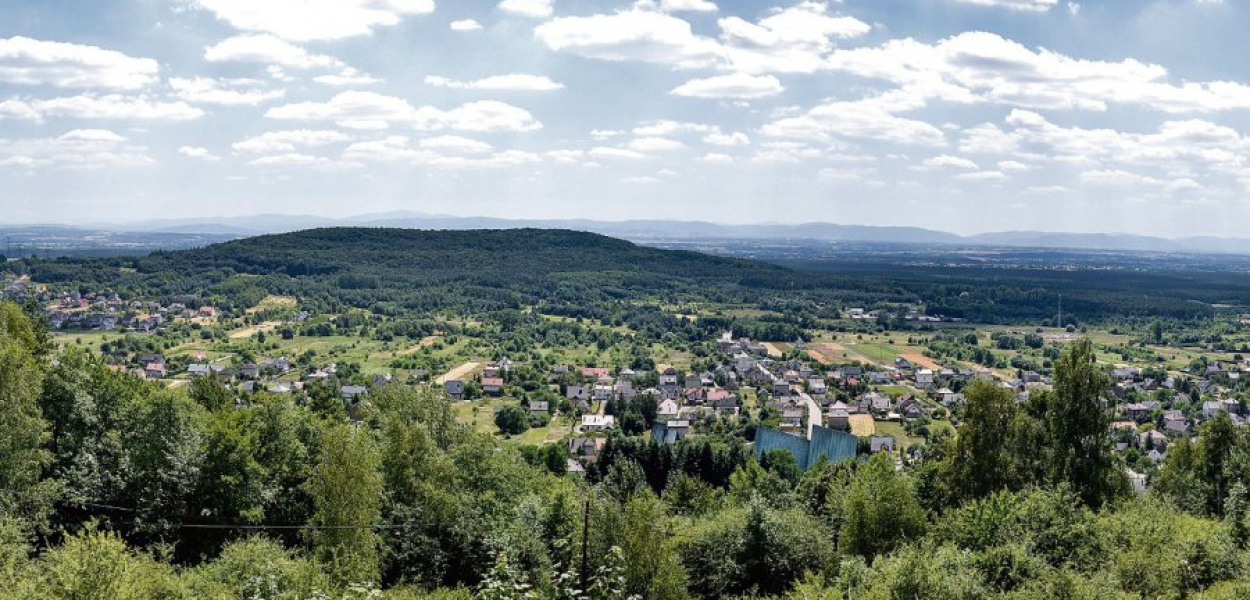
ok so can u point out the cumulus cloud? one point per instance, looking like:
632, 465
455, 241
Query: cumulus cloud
688, 5
307, 20
198, 152
76, 149
1021, 5
514, 82
28, 61
947, 160
269, 50
229, 92
655, 144
871, 118
444, 152
736, 85
465, 25
347, 77
282, 142
985, 67
536, 9
791, 40
110, 106
369, 110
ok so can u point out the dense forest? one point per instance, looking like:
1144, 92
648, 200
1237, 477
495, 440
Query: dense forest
397, 272
116, 488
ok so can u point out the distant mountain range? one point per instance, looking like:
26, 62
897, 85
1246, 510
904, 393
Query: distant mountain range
655, 230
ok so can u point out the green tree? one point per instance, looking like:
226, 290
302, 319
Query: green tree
987, 454
512, 420
880, 510
23, 431
1077, 425
346, 489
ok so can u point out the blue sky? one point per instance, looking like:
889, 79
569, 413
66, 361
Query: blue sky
962, 115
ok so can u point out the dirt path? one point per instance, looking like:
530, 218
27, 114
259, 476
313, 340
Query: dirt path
458, 372
424, 343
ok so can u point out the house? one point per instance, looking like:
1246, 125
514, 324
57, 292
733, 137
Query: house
249, 371
1137, 411
840, 418
351, 392
881, 443
598, 422
1176, 426
586, 448
602, 392
576, 392
455, 388
1211, 408
816, 387
595, 373
1152, 439
924, 379
199, 370
902, 364
540, 407
154, 371
667, 410
781, 388
280, 387
492, 386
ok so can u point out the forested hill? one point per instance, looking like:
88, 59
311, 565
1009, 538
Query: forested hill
395, 271
456, 255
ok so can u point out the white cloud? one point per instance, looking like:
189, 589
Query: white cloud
947, 160
347, 77
716, 158
870, 118
631, 35
28, 61
455, 143
688, 5
1021, 5
198, 153
370, 110
465, 25
111, 106
985, 67
396, 149
655, 144
284, 142
791, 40
77, 149
669, 127
983, 176
512, 82
307, 20
736, 85
269, 50
618, 153
229, 92
727, 139
293, 159
537, 9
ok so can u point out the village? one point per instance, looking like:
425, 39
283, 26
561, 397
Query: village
892, 406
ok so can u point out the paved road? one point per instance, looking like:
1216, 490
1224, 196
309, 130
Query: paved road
814, 416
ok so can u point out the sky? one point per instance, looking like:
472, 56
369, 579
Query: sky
960, 115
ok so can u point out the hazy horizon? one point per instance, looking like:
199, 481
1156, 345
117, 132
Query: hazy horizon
964, 116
